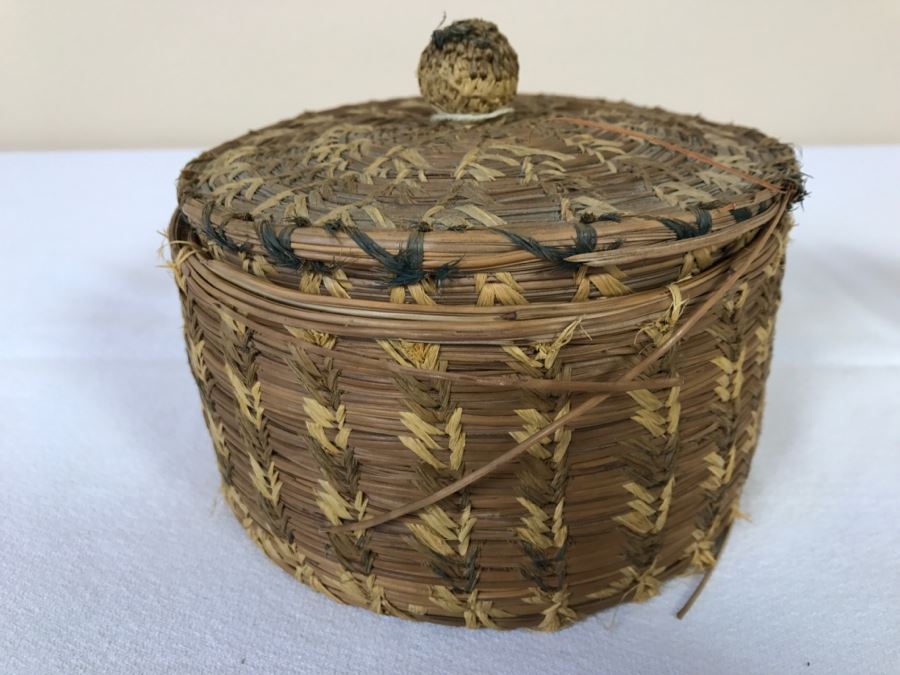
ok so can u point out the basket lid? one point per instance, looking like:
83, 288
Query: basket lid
472, 156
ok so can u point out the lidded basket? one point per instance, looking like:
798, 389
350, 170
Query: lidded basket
484, 358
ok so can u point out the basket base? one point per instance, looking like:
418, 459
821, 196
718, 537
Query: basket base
352, 591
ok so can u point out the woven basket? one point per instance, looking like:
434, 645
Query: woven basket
500, 365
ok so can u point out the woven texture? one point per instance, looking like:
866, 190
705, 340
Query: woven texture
377, 306
468, 67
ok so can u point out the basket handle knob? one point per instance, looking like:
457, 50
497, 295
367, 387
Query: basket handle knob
468, 68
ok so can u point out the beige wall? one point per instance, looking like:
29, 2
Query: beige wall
126, 73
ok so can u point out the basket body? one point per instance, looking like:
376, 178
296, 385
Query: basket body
319, 419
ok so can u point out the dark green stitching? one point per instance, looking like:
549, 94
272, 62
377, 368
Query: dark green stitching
686, 230
741, 214
585, 242
218, 234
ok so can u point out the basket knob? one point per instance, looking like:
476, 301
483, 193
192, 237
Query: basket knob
469, 67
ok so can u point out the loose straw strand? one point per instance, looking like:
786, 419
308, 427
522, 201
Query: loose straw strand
587, 405
706, 575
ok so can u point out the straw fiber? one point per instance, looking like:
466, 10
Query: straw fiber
499, 373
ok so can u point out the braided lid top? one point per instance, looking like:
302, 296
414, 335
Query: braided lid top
473, 157
387, 164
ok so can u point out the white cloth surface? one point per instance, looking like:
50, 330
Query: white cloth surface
118, 556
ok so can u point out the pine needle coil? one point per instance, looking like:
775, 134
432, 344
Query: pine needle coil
378, 303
